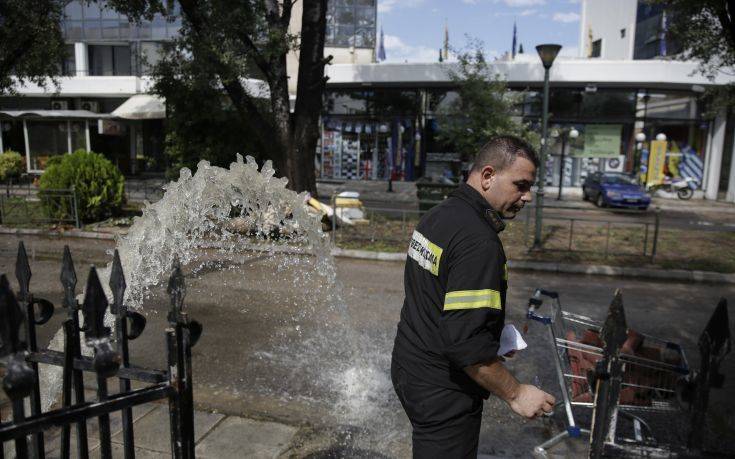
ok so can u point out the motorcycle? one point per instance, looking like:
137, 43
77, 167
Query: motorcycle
679, 185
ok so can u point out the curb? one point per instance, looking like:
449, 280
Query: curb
521, 265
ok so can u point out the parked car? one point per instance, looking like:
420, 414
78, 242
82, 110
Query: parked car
615, 189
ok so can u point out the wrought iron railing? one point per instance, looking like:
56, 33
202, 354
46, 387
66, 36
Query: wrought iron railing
110, 359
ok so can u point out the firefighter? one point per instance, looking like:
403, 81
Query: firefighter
445, 361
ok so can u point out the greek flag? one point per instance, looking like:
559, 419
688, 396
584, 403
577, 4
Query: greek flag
691, 166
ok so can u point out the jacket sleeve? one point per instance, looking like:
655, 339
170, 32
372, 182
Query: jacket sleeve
472, 317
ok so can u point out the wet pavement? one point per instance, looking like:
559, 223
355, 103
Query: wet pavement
271, 352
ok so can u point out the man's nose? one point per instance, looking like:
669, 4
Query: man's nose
527, 196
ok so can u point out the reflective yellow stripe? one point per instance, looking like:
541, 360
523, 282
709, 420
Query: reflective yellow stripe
472, 299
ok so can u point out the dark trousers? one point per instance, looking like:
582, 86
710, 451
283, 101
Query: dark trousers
446, 423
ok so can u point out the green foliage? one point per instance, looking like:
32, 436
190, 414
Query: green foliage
484, 108
11, 165
98, 184
705, 30
32, 45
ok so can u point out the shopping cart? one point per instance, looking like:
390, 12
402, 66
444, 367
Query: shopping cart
652, 370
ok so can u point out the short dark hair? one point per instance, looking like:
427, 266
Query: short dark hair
501, 151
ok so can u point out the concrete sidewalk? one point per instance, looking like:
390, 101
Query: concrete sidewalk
217, 436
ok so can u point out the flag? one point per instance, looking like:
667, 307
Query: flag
381, 46
691, 166
513, 48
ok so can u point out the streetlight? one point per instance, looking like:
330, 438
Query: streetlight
660, 136
572, 134
639, 138
547, 53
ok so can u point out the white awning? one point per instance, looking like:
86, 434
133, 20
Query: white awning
65, 114
141, 107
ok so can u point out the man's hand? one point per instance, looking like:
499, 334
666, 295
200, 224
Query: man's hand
530, 401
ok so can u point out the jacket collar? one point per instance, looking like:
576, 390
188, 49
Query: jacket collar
475, 199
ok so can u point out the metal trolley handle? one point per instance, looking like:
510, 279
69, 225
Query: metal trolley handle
535, 302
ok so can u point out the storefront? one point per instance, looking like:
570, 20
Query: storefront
381, 120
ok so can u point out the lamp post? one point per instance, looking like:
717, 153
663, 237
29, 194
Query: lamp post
571, 134
639, 138
547, 53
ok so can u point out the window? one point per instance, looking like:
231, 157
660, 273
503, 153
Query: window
622, 33
596, 48
351, 23
107, 60
68, 65
46, 139
96, 21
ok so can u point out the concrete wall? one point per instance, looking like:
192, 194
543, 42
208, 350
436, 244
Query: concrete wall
603, 19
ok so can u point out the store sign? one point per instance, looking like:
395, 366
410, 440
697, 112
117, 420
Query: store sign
602, 141
656, 162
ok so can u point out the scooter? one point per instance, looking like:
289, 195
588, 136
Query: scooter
678, 185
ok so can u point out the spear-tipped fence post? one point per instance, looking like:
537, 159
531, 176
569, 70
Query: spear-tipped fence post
609, 374
19, 377
23, 275
714, 345
106, 360
122, 315
185, 335
71, 335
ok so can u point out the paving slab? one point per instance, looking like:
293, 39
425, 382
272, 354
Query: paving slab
240, 437
152, 430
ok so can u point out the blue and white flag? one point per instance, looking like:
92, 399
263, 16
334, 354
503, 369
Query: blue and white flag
691, 166
381, 47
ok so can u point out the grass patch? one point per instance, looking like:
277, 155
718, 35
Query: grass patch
620, 244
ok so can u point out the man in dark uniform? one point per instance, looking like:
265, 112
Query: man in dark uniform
445, 358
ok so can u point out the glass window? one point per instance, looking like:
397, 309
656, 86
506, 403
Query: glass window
91, 10
92, 29
158, 30
78, 136
110, 29
596, 48
669, 105
144, 30
608, 105
107, 60
46, 139
351, 23
73, 10
74, 30
68, 66
150, 54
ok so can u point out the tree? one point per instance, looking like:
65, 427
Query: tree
483, 108
222, 43
31, 44
705, 30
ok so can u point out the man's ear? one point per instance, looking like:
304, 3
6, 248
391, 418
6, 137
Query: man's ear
487, 175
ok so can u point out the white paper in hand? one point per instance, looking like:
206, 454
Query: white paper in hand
511, 340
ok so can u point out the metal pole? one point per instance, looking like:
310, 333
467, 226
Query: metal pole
561, 165
656, 224
542, 165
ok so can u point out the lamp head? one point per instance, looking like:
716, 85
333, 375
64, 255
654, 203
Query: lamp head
660, 136
573, 134
640, 137
547, 53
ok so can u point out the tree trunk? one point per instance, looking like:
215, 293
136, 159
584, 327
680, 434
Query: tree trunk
309, 96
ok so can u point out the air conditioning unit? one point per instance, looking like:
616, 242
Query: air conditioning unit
90, 106
59, 105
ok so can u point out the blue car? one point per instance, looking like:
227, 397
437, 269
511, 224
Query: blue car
614, 189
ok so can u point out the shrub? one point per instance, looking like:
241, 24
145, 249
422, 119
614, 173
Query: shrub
99, 185
11, 165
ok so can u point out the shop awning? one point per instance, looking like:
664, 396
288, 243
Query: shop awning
65, 114
141, 107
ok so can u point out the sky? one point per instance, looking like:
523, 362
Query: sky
414, 29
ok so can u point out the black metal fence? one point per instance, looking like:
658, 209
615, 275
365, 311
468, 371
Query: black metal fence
714, 345
623, 232
21, 357
26, 204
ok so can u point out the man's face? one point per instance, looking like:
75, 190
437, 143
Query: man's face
508, 190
